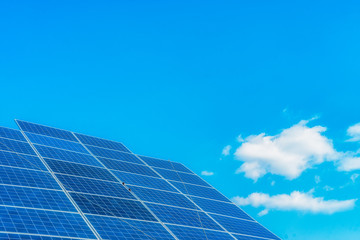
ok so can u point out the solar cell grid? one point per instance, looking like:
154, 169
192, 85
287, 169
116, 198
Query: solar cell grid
188, 233
223, 208
157, 196
21, 160
117, 228
44, 130
181, 177
144, 181
112, 206
12, 134
127, 167
43, 222
15, 146
108, 153
24, 177
183, 216
57, 143
244, 227
155, 162
79, 170
13, 236
48, 152
35, 198
85, 185
94, 141
199, 191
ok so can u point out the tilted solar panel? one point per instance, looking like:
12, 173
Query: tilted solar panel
57, 184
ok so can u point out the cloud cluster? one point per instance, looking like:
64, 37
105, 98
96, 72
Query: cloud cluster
354, 132
288, 154
207, 173
226, 150
299, 201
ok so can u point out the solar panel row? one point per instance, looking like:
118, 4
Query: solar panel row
106, 192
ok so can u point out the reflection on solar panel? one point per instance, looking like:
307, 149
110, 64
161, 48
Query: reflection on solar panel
56, 184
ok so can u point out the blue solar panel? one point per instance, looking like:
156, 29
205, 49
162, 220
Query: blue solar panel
223, 208
12, 134
13, 236
155, 162
21, 160
157, 196
128, 167
35, 198
244, 227
15, 146
24, 177
199, 191
183, 216
108, 153
47, 131
43, 222
125, 229
57, 143
34, 205
181, 177
144, 181
188, 233
80, 170
54, 153
86, 185
109, 206
99, 142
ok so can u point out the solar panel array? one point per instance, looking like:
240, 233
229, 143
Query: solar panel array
56, 184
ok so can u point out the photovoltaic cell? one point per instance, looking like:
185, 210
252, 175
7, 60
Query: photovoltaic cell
48, 152
57, 143
243, 237
223, 208
243, 227
21, 160
15, 146
108, 153
47, 131
157, 196
112, 206
181, 177
85, 185
155, 162
128, 167
43, 222
144, 181
199, 191
188, 233
183, 216
35, 198
13, 236
24, 177
121, 229
12, 134
79, 170
99, 142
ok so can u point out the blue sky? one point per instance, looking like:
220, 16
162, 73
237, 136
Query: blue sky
181, 80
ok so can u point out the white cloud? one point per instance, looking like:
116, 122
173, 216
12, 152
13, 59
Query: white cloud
207, 173
354, 132
349, 163
240, 139
296, 201
328, 188
226, 150
354, 177
288, 154
317, 179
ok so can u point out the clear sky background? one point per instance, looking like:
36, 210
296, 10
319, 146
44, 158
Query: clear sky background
181, 80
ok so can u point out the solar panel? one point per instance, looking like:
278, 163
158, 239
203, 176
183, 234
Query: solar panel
75, 186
